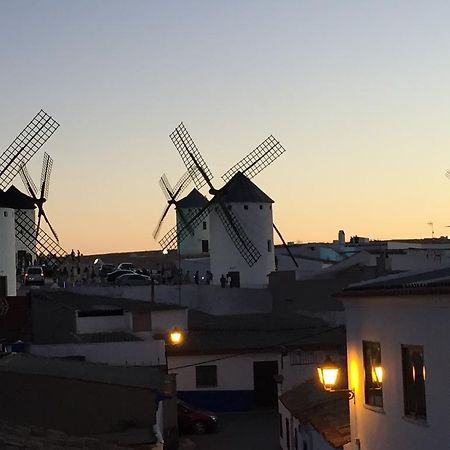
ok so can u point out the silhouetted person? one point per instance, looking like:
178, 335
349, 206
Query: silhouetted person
223, 281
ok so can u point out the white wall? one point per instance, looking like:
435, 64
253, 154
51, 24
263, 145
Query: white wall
192, 245
30, 213
393, 321
140, 353
224, 255
101, 324
209, 299
7, 249
235, 373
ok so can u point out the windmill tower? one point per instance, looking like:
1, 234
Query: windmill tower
21, 150
197, 242
241, 242
186, 208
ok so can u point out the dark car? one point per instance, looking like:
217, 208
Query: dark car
113, 275
193, 420
106, 269
134, 279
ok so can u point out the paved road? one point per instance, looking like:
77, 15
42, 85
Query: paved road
242, 431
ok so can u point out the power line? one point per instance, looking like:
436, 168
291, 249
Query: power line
234, 355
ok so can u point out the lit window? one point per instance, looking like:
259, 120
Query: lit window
414, 381
373, 372
206, 376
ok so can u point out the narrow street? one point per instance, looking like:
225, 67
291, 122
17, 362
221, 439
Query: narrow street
242, 431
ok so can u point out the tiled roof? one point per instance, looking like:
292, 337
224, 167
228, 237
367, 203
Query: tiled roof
405, 282
240, 190
256, 332
13, 198
327, 412
135, 376
15, 436
193, 200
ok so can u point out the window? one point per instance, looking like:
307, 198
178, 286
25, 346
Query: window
205, 246
414, 381
229, 206
260, 206
373, 389
269, 245
204, 225
288, 436
245, 206
5, 213
206, 376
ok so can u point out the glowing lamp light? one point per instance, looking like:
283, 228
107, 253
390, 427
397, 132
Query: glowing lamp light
328, 374
176, 336
377, 374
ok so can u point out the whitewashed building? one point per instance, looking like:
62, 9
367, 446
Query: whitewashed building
399, 324
253, 209
197, 242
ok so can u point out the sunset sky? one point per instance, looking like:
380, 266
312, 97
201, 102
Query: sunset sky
358, 92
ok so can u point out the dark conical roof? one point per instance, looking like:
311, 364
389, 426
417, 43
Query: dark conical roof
241, 190
13, 198
193, 200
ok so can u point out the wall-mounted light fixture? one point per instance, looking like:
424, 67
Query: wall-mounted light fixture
328, 375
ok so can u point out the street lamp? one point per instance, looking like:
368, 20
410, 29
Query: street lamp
328, 375
175, 336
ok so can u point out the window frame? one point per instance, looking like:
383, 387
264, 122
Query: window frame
199, 383
373, 391
414, 391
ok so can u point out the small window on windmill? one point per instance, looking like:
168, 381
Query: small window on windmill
204, 225
245, 206
260, 206
5, 213
269, 245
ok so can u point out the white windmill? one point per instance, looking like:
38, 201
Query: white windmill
17, 209
240, 214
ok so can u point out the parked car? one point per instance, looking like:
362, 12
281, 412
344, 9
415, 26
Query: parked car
105, 269
193, 420
134, 279
34, 275
126, 266
116, 273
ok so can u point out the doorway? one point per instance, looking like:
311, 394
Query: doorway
266, 392
235, 281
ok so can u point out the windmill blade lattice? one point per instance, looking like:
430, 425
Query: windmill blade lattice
24, 146
166, 187
183, 182
28, 182
257, 160
43, 245
192, 219
237, 234
190, 155
45, 175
